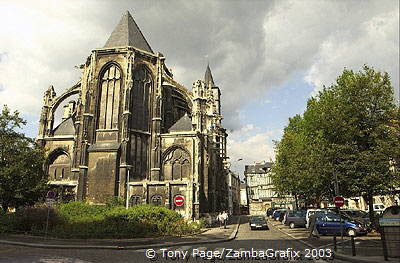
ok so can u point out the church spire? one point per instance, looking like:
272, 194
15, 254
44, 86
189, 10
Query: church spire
127, 33
208, 76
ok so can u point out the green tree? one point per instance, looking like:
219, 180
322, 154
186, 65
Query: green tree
357, 120
22, 179
295, 171
349, 131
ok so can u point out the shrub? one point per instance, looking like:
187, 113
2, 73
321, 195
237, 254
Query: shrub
115, 201
33, 219
78, 219
7, 222
80, 211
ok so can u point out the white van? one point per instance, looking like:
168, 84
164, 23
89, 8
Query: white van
378, 208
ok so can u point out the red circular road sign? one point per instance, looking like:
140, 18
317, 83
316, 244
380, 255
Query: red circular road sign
339, 201
179, 200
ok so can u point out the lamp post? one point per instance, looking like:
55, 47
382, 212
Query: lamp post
128, 167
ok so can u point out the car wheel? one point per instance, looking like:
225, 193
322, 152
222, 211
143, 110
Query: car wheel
351, 232
291, 225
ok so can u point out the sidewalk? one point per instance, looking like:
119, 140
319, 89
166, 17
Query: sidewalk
368, 248
210, 235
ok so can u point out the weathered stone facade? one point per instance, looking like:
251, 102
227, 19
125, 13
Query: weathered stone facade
134, 132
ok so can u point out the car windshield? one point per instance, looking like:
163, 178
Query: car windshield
257, 219
355, 213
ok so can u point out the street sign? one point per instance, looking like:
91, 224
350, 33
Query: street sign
179, 200
51, 195
339, 201
50, 202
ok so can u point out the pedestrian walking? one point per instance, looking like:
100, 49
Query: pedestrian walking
225, 218
313, 226
220, 219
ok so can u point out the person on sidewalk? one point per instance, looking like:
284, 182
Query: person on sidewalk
220, 219
225, 218
313, 226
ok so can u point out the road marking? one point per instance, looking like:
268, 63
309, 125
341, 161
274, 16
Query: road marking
301, 241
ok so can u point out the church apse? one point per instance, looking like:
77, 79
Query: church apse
136, 133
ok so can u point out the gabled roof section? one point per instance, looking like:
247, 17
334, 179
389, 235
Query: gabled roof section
208, 76
127, 33
65, 128
183, 124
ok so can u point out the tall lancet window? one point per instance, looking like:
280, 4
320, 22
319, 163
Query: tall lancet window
142, 82
110, 98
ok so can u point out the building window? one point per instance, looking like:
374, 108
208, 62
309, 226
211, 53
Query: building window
156, 200
142, 83
110, 89
177, 165
135, 200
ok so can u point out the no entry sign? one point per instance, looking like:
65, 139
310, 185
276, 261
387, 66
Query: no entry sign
339, 201
179, 200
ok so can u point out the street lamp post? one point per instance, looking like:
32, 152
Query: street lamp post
129, 167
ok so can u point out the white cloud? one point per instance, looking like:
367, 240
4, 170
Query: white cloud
375, 44
252, 46
321, 38
251, 145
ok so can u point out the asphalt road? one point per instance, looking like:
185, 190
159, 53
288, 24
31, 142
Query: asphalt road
249, 246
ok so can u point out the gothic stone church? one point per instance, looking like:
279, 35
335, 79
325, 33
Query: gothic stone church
134, 132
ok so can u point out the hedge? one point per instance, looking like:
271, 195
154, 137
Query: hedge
81, 220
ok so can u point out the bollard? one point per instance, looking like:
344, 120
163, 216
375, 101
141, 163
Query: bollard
334, 243
353, 246
385, 252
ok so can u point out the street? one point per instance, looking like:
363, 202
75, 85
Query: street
252, 242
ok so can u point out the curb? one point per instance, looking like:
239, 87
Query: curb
337, 255
66, 246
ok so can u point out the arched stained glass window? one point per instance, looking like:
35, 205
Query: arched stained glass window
142, 83
110, 90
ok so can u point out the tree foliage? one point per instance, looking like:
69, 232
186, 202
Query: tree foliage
22, 179
351, 130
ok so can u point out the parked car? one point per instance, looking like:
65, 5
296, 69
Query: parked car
378, 208
319, 212
357, 214
258, 222
295, 218
271, 210
277, 213
282, 216
332, 224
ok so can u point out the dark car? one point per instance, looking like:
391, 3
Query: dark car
296, 219
258, 222
358, 215
331, 224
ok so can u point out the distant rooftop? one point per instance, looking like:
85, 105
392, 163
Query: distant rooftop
257, 168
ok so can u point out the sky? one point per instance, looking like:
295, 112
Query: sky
267, 57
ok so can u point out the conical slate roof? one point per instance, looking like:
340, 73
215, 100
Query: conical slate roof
127, 33
183, 124
208, 76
